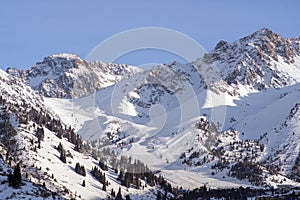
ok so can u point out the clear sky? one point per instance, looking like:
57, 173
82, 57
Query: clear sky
31, 30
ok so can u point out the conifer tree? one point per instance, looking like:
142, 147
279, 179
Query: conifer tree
127, 197
17, 175
104, 187
112, 193
80, 169
119, 195
63, 156
15, 179
158, 196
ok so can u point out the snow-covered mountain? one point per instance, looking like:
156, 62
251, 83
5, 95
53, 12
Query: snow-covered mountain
48, 152
263, 59
228, 119
255, 75
68, 76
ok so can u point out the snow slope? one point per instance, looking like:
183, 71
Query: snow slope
27, 191
40, 158
259, 75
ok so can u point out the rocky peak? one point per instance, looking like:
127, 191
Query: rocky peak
258, 59
68, 76
55, 64
221, 44
262, 32
271, 43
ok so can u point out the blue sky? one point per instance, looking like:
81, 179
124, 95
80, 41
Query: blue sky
31, 30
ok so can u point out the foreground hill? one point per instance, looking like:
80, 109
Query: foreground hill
53, 159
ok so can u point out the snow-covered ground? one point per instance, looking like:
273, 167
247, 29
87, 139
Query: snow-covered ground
27, 191
160, 147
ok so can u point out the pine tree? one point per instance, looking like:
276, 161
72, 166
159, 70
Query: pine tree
104, 187
80, 169
63, 156
103, 166
119, 195
83, 172
17, 175
127, 180
15, 179
158, 196
59, 147
83, 183
10, 179
112, 193
127, 197
137, 183
77, 146
121, 176
40, 134
39, 143
77, 168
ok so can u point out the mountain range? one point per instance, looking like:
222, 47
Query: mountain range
92, 130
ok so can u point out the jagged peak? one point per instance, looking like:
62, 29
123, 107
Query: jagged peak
59, 58
67, 56
264, 30
57, 62
221, 44
261, 34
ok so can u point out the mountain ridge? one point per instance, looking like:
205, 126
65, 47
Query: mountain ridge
228, 119
68, 76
